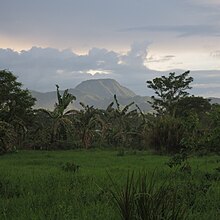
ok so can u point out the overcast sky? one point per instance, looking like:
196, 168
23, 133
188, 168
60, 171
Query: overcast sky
46, 42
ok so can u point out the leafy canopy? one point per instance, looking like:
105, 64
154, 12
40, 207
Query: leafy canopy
15, 102
169, 91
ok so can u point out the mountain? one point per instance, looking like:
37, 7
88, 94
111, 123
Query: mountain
96, 92
214, 100
99, 93
104, 88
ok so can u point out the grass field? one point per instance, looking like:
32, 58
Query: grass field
42, 185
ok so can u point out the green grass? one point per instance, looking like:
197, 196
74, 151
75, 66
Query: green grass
34, 185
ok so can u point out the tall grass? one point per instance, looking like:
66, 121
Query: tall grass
66, 185
141, 198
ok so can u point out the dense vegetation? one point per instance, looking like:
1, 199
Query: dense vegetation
180, 122
93, 184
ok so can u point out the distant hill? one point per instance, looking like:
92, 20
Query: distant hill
214, 100
99, 93
96, 92
104, 88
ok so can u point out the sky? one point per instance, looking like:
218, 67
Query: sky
48, 42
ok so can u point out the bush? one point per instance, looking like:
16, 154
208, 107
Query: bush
70, 167
141, 199
166, 133
7, 137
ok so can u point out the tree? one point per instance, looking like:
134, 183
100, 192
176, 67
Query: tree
7, 137
192, 104
60, 121
15, 102
167, 130
211, 138
122, 123
169, 91
89, 125
15, 105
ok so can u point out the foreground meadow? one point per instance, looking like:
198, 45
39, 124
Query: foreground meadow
76, 184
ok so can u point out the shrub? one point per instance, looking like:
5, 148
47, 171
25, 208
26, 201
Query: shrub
70, 167
165, 134
7, 137
141, 198
121, 152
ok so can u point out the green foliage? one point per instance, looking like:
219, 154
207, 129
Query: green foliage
7, 137
183, 121
177, 160
123, 127
70, 167
60, 123
32, 183
169, 91
63, 103
212, 136
121, 152
192, 105
141, 198
89, 125
15, 102
15, 109
176, 125
181, 162
165, 134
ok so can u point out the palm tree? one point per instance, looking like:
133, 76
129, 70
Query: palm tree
119, 122
61, 122
89, 124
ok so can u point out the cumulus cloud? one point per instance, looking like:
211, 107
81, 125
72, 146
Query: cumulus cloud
136, 55
41, 68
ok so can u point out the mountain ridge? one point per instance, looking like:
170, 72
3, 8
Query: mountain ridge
98, 93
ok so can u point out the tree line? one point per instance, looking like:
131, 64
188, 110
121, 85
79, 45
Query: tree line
179, 122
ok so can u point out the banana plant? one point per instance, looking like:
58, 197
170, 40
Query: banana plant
89, 124
119, 122
61, 122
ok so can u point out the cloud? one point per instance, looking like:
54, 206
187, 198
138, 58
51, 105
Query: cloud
156, 59
206, 85
180, 30
41, 68
215, 54
85, 24
137, 55
208, 2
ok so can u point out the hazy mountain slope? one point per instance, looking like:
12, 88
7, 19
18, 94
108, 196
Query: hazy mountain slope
44, 100
104, 88
98, 93
214, 100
